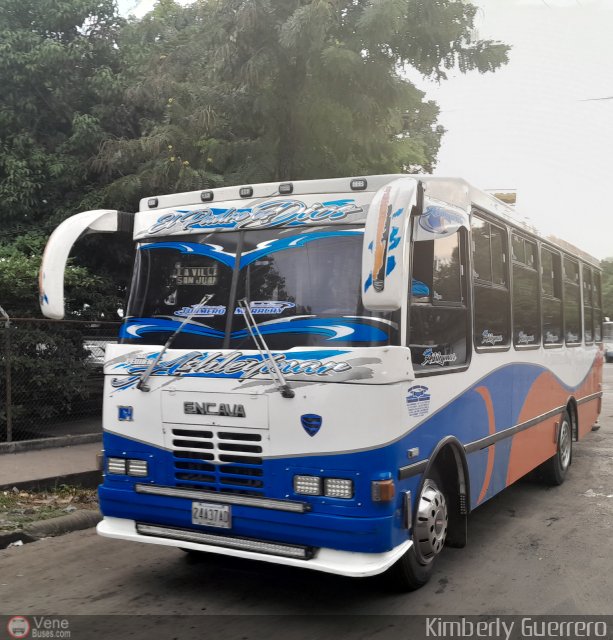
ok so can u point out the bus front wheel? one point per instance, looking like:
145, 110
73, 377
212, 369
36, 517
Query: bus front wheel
416, 566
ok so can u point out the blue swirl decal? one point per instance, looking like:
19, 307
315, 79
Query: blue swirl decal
191, 248
440, 220
282, 244
263, 249
333, 329
137, 327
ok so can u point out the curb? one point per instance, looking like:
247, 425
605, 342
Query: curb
76, 521
49, 443
86, 479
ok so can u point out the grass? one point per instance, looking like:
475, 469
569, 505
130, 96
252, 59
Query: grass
18, 508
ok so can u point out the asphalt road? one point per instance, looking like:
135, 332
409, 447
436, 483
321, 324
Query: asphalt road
531, 550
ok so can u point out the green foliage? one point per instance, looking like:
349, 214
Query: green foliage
233, 91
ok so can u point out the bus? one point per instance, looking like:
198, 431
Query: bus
332, 374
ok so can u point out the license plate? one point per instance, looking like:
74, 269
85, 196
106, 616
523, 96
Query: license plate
212, 515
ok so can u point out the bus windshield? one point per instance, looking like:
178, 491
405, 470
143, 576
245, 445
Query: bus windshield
303, 289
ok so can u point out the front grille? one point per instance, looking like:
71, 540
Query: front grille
219, 460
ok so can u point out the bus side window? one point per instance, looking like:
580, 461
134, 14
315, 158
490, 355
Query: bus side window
572, 302
526, 317
437, 313
597, 307
491, 288
588, 306
551, 308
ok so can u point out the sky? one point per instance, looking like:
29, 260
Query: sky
538, 125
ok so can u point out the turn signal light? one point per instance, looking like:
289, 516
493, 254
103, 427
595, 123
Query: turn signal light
382, 490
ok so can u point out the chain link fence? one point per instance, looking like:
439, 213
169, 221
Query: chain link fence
51, 377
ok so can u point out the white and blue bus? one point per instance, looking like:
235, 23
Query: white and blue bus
332, 374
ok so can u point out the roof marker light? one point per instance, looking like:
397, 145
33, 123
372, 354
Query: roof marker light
207, 196
359, 184
286, 188
245, 192
152, 203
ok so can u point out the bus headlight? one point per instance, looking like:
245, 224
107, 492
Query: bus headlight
116, 466
138, 468
329, 487
338, 488
127, 467
307, 485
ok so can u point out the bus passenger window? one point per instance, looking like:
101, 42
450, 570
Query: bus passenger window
588, 313
572, 302
551, 305
597, 306
526, 318
437, 314
491, 292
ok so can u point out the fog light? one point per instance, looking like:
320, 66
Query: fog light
338, 488
137, 468
116, 466
307, 485
382, 490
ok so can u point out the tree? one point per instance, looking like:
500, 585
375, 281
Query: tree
253, 90
60, 99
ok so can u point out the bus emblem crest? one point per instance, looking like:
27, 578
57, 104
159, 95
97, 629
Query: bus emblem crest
311, 423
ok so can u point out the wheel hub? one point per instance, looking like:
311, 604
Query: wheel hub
432, 521
565, 444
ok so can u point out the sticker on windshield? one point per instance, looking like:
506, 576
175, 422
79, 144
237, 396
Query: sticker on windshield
258, 307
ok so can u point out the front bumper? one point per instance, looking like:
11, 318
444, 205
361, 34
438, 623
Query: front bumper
345, 563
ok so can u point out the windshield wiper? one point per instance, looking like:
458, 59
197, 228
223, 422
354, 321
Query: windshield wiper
147, 373
260, 343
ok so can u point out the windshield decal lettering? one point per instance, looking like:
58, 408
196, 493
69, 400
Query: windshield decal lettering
271, 213
258, 307
235, 364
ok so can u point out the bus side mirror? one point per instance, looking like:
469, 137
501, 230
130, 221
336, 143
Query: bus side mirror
385, 259
51, 276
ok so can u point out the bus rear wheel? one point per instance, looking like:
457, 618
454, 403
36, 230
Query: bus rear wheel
416, 566
553, 471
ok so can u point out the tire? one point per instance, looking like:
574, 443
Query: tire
431, 522
554, 470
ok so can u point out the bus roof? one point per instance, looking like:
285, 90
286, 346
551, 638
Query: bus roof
452, 189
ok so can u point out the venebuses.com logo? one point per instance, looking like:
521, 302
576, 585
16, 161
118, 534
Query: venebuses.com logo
38, 627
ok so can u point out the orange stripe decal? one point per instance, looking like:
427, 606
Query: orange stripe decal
487, 398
